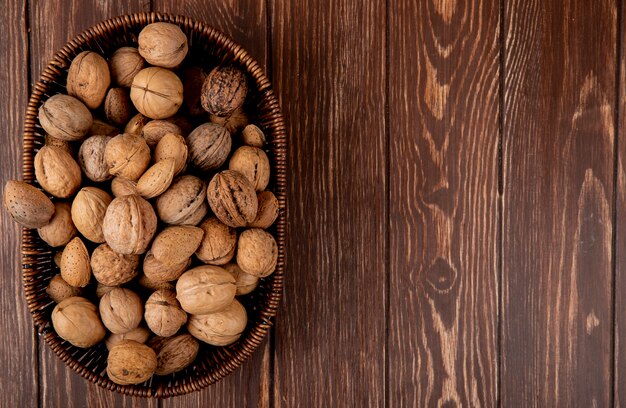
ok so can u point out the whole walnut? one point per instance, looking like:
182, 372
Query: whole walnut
121, 310
130, 362
232, 198
102, 289
175, 244
218, 243
57, 171
118, 107
253, 163
121, 187
156, 179
173, 147
174, 354
163, 44
129, 225
155, 130
251, 135
127, 156
28, 206
184, 203
233, 122
99, 127
91, 158
61, 144
135, 124
193, 79
65, 117
268, 210
111, 268
245, 282
205, 289
257, 252
60, 230
125, 63
157, 92
59, 290
88, 210
147, 283
220, 328
139, 334
209, 146
224, 90
163, 314
75, 265
76, 320
159, 272
88, 78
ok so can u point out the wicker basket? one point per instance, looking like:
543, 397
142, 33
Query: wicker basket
212, 363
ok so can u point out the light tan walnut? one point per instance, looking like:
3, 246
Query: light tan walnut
57, 171
76, 320
205, 289
220, 328
163, 314
121, 310
111, 268
257, 252
88, 210
129, 225
60, 230
218, 243
130, 362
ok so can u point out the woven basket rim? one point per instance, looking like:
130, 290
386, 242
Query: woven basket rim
276, 128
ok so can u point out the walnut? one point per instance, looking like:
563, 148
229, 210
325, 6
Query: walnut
65, 118
111, 268
268, 210
121, 310
125, 63
154, 131
139, 334
135, 124
163, 44
129, 225
61, 229
205, 289
75, 265
174, 354
175, 244
245, 282
156, 179
99, 127
59, 290
209, 145
233, 122
102, 289
218, 243
118, 107
172, 146
88, 78
253, 163
127, 155
220, 328
28, 206
184, 203
91, 158
76, 320
232, 198
88, 210
157, 92
257, 252
130, 362
121, 187
147, 283
251, 135
224, 90
159, 272
57, 171
163, 314
193, 79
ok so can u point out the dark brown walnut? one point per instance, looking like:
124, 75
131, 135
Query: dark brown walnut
59, 290
154, 131
91, 158
205, 289
99, 127
57, 171
251, 135
163, 44
224, 90
175, 244
193, 79
65, 117
139, 334
88, 78
28, 206
76, 320
127, 156
60, 230
159, 272
135, 124
163, 314
234, 122
102, 289
173, 147
151, 285
156, 179
121, 310
88, 210
125, 63
184, 203
129, 225
174, 354
232, 198
218, 243
245, 282
220, 328
121, 187
157, 92
209, 146
75, 264
61, 144
130, 362
257, 252
111, 268
253, 163
118, 107
267, 212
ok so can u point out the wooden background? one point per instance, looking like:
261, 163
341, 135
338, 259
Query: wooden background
457, 202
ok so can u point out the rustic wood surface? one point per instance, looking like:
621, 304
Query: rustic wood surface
457, 197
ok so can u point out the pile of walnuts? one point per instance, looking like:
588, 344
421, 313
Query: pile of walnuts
162, 223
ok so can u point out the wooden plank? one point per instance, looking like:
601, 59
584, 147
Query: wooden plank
558, 200
328, 60
444, 106
19, 382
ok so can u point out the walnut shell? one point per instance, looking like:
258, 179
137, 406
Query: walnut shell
155, 130
118, 107
28, 206
76, 320
88, 78
220, 328
193, 79
139, 334
127, 155
111, 268
147, 283
163, 44
174, 354
121, 187
61, 144
257, 252
224, 90
175, 244
159, 272
129, 225
121, 310
135, 124
233, 122
59, 290
57, 171
65, 117
245, 282
251, 135
267, 212
91, 158
156, 179
253, 163
130, 362
172, 146
157, 92
99, 127
125, 63
209, 146
205, 289
88, 210
232, 198
218, 243
163, 314
75, 265
61, 229
184, 202
102, 289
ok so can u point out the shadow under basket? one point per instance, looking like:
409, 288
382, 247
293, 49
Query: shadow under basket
208, 47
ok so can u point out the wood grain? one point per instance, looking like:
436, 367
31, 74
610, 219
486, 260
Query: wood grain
444, 106
557, 206
328, 60
18, 344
